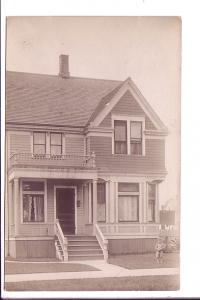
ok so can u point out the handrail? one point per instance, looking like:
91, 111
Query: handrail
62, 239
102, 241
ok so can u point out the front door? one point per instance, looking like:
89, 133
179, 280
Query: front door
65, 209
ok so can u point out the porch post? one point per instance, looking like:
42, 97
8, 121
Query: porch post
16, 204
94, 201
145, 202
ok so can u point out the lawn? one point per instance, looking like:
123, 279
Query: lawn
144, 261
25, 268
145, 283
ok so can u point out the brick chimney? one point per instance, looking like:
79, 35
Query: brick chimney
64, 66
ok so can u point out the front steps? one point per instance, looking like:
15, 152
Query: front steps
81, 247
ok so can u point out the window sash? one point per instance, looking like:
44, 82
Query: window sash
120, 131
56, 143
33, 208
39, 143
128, 187
128, 208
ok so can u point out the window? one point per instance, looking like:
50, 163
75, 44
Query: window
33, 201
101, 202
151, 202
128, 135
56, 143
128, 202
120, 137
136, 138
39, 143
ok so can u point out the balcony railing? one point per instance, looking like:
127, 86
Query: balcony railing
69, 160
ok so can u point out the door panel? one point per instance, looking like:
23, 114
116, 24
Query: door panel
65, 209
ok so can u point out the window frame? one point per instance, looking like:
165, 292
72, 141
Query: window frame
128, 120
44, 193
136, 140
129, 193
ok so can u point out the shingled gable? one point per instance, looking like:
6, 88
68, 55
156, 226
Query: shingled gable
108, 103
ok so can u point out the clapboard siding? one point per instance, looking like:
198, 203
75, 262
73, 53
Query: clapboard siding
127, 105
74, 145
153, 161
20, 143
134, 246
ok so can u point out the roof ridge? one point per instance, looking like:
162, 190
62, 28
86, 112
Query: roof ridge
71, 77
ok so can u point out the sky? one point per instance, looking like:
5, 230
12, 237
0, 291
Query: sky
147, 49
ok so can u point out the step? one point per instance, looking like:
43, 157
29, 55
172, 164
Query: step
83, 247
83, 243
86, 257
85, 252
81, 237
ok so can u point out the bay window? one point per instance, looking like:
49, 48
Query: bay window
33, 201
128, 202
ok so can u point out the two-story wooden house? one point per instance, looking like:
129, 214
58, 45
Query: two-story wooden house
84, 161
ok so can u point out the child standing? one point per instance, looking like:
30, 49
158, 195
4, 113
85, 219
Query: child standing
160, 246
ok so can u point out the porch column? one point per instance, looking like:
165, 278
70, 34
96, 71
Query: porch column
94, 198
16, 205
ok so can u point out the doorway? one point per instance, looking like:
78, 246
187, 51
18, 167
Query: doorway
66, 209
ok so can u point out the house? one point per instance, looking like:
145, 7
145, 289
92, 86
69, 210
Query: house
85, 158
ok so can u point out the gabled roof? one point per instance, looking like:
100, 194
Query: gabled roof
74, 102
51, 100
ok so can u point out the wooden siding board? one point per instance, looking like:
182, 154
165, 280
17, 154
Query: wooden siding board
154, 160
20, 143
74, 145
127, 105
34, 249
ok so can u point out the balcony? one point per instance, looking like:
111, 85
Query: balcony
71, 161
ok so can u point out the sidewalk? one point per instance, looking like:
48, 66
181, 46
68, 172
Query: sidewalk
106, 270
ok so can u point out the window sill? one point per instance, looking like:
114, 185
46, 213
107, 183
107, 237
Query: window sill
135, 155
33, 223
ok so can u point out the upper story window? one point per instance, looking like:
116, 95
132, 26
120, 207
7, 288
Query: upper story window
47, 143
56, 143
39, 142
136, 137
128, 135
120, 137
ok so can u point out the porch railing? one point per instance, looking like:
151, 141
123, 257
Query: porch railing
62, 240
68, 160
126, 229
102, 241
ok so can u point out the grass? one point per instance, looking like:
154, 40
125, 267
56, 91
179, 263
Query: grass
144, 261
144, 283
28, 268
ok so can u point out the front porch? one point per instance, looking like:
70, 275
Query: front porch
45, 206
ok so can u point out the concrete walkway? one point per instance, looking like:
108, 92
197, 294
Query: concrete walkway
106, 270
